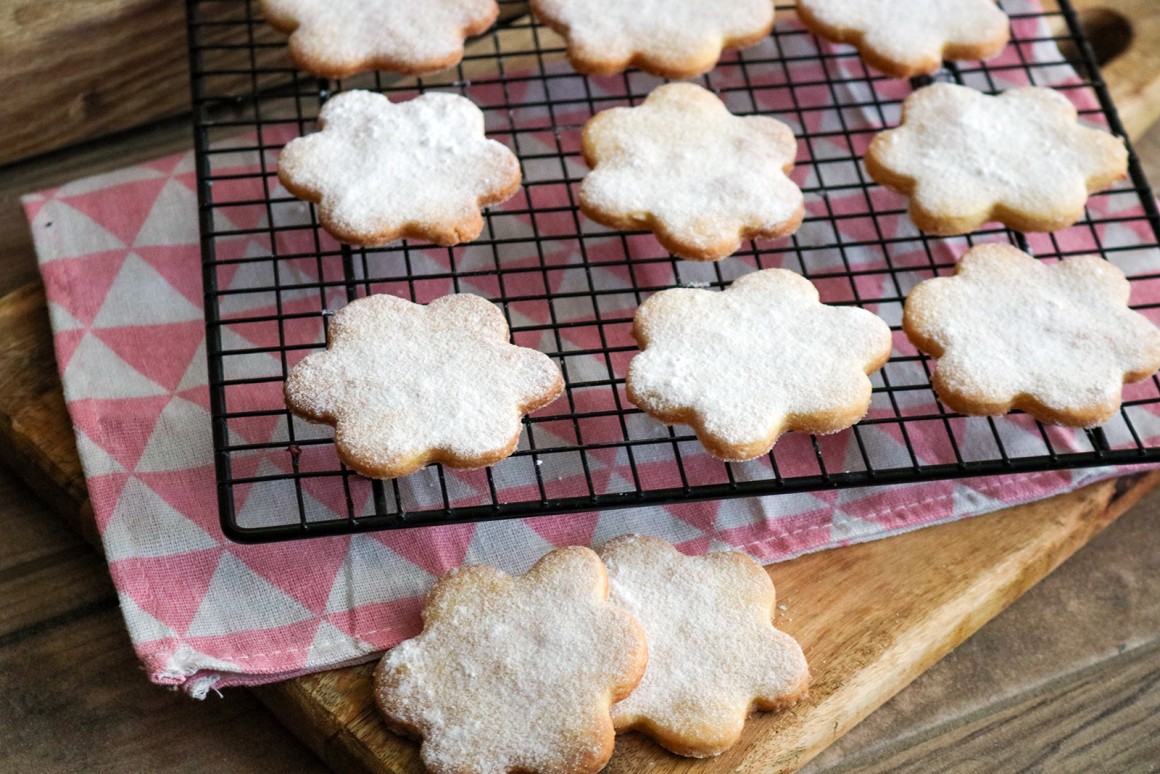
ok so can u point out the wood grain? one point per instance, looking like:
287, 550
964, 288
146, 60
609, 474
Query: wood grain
74, 71
70, 70
1082, 625
1131, 75
914, 597
1105, 718
39, 443
331, 711
74, 695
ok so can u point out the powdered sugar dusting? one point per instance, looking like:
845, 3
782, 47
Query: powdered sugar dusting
911, 35
1055, 339
515, 673
1021, 157
713, 651
749, 363
699, 176
381, 170
340, 37
407, 384
674, 38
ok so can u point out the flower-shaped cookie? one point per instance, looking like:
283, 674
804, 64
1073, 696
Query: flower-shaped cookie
904, 38
686, 168
761, 358
1020, 158
381, 171
337, 38
714, 655
406, 385
1056, 340
674, 39
515, 673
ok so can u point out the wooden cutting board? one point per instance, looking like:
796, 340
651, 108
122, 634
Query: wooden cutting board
871, 617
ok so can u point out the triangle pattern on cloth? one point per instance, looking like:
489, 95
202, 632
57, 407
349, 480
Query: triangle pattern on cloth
180, 439
695, 547
332, 491
164, 354
248, 276
97, 461
123, 425
79, 285
331, 644
143, 524
196, 377
802, 536
846, 528
749, 512
386, 623
168, 588
95, 371
32, 203
700, 516
900, 505
65, 344
566, 530
437, 550
371, 574
310, 581
105, 488
510, 545
658, 522
62, 319
185, 490
175, 263
884, 448
172, 220
61, 231
968, 501
241, 600
273, 650
142, 625
198, 395
141, 296
267, 503
107, 205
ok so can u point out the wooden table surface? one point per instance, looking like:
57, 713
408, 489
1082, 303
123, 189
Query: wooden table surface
1064, 680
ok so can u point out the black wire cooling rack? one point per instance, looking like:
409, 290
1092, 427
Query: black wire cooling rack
569, 287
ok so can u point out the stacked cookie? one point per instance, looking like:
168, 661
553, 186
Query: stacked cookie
765, 356
538, 672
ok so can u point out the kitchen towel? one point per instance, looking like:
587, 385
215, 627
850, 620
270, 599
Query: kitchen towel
120, 258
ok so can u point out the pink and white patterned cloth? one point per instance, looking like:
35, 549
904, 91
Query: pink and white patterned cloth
119, 254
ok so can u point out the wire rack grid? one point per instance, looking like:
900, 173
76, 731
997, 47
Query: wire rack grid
569, 287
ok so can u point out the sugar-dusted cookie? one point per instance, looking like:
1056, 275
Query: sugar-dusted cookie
381, 171
337, 38
515, 673
904, 38
763, 357
406, 385
1020, 158
683, 166
714, 655
1056, 340
674, 39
